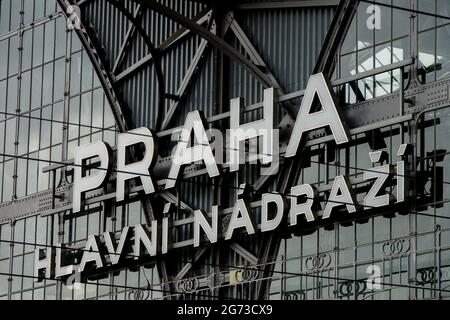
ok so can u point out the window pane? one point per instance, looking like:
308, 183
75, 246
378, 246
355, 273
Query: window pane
3, 99
25, 87
443, 52
34, 131
383, 34
27, 50
47, 88
59, 80
427, 56
60, 30
36, 87
57, 127
402, 19
4, 15
365, 35
49, 47
75, 74
4, 45
38, 41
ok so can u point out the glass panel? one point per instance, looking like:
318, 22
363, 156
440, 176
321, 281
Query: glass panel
59, 81
36, 86
28, 269
21, 178
86, 106
27, 50
47, 89
365, 34
443, 52
5, 236
75, 74
12, 96
4, 45
46, 127
25, 88
49, 37
444, 10
60, 48
28, 11
402, 19
74, 117
3, 85
57, 126
4, 15
38, 49
43, 177
427, 57
34, 131
17, 270
39, 9
32, 174
4, 268
10, 136
384, 29
87, 73
19, 236
15, 15
400, 50
426, 21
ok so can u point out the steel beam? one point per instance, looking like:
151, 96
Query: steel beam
244, 253
156, 58
99, 66
127, 42
105, 78
190, 73
258, 60
188, 266
213, 39
162, 48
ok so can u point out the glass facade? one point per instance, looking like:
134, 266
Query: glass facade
36, 50
374, 41
336, 261
51, 101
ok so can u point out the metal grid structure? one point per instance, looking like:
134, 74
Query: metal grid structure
146, 63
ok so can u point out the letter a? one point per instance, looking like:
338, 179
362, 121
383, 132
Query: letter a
327, 117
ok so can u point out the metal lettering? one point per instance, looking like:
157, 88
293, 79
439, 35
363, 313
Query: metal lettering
328, 117
139, 169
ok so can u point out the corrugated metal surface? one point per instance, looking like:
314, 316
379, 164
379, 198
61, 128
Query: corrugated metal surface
110, 25
289, 40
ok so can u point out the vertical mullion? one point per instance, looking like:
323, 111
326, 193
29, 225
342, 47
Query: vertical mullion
11, 254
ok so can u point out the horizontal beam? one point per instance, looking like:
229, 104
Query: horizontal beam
373, 72
287, 4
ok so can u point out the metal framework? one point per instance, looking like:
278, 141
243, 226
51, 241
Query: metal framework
364, 116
